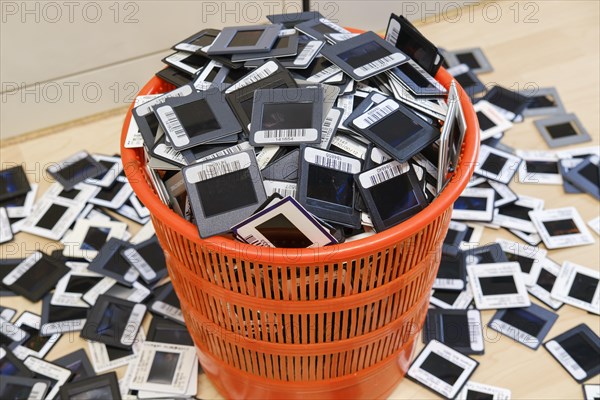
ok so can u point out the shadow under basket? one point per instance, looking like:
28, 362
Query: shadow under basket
333, 322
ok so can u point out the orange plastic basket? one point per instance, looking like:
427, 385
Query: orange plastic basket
332, 322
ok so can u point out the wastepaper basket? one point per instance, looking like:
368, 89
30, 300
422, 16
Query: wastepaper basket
332, 322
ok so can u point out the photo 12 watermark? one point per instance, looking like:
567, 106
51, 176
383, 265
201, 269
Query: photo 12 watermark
69, 92
53, 12
253, 12
456, 11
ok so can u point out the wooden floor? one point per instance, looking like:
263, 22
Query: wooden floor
549, 43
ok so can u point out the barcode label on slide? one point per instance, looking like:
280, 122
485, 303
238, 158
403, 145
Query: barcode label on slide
212, 169
333, 163
285, 135
376, 114
380, 65
329, 127
382, 174
218, 169
325, 74
171, 123
262, 72
566, 360
392, 32
386, 174
169, 153
225, 152
357, 149
283, 188
265, 156
253, 240
308, 53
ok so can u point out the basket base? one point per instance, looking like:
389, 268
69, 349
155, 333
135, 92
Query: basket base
376, 382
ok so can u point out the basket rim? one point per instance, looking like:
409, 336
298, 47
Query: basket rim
133, 165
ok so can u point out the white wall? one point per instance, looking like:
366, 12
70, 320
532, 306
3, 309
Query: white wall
64, 60
374, 14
